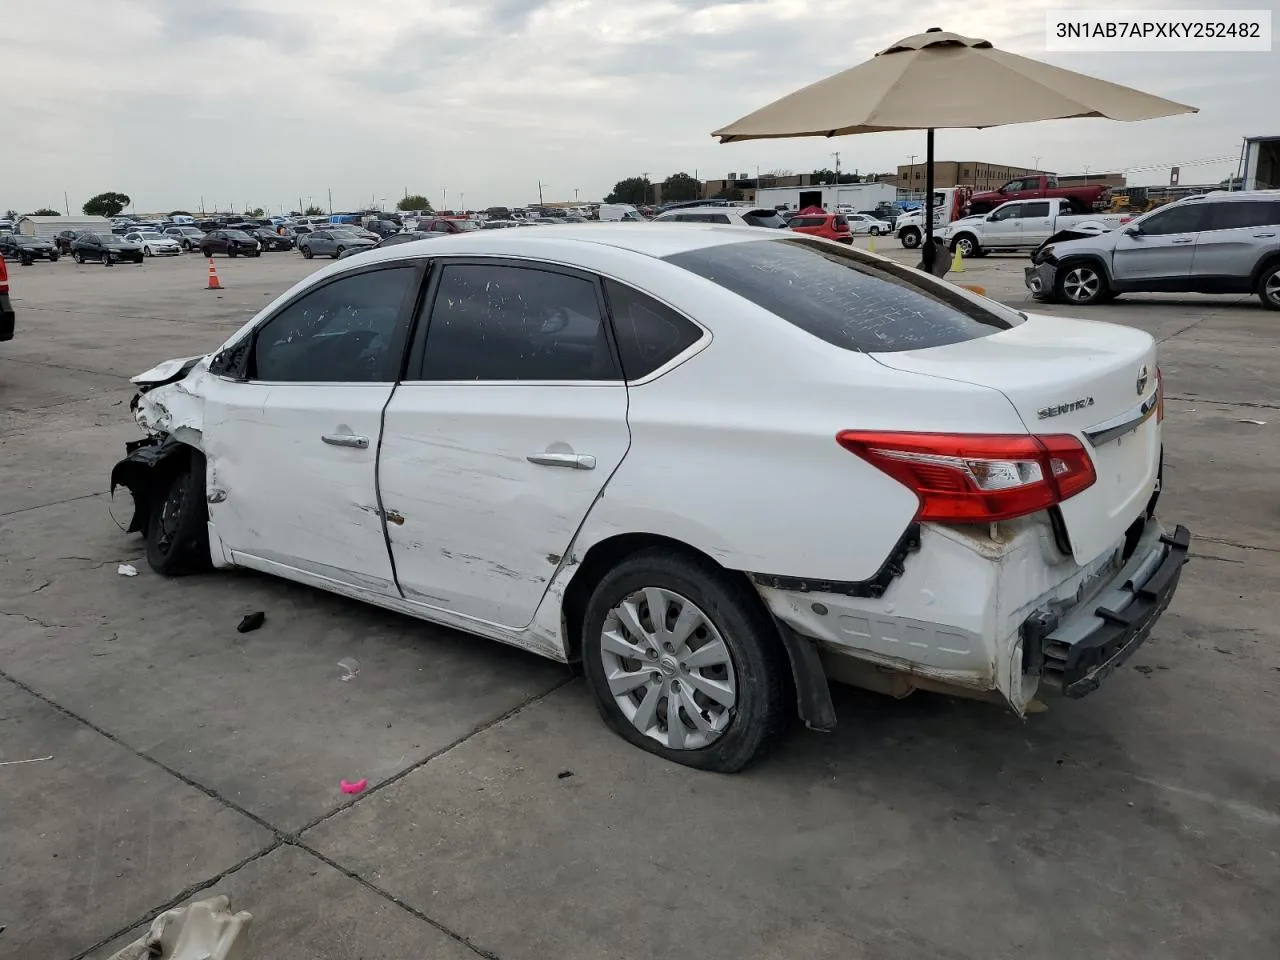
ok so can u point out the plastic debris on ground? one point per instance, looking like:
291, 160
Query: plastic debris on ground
204, 930
251, 621
350, 667
1256, 423
127, 570
356, 787
10, 763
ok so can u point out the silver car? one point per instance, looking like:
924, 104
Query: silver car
1213, 243
331, 243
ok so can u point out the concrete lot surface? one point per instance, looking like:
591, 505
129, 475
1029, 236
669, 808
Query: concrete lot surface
502, 819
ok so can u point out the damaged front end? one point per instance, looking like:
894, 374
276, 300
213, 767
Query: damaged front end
169, 408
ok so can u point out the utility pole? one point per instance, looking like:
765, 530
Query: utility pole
645, 177
462, 201
331, 201
575, 194
540, 186
66, 203
1035, 163
837, 156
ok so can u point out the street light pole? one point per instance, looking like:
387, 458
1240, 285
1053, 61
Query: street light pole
645, 196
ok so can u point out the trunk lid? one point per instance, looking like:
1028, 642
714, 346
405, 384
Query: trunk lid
1078, 377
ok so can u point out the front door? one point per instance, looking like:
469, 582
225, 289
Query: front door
1001, 227
506, 429
1157, 250
292, 447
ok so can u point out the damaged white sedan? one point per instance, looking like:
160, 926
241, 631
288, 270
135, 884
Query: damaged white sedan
717, 467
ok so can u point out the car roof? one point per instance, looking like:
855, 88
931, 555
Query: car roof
557, 242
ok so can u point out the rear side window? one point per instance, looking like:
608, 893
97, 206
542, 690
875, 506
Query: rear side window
649, 334
848, 298
764, 218
1038, 209
1238, 214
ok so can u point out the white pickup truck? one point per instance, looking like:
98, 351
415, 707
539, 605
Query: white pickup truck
1023, 225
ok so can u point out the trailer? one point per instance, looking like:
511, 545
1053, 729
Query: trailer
859, 196
51, 226
1261, 163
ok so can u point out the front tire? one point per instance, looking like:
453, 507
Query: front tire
1269, 287
231, 250
699, 681
79, 257
874, 231
1080, 284
105, 259
966, 244
910, 238
306, 253
338, 252
146, 252
177, 531
206, 252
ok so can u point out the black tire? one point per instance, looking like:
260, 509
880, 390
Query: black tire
231, 250
206, 252
966, 243
105, 259
146, 251
338, 252
1080, 283
874, 231
1268, 289
910, 238
758, 657
177, 535
306, 253
79, 257
256, 253
54, 258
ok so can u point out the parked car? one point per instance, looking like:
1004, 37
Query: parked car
731, 216
188, 237
595, 512
332, 243
391, 241
1213, 243
7, 316
860, 223
832, 226
107, 248
440, 225
25, 249
64, 238
270, 239
1023, 225
231, 242
154, 244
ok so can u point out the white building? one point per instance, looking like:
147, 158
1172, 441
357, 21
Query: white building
48, 226
860, 196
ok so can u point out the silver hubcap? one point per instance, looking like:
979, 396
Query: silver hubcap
1081, 284
668, 669
966, 247
1272, 289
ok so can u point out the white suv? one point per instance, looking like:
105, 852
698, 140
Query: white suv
725, 216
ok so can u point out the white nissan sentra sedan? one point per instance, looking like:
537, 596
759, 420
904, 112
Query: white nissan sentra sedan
718, 466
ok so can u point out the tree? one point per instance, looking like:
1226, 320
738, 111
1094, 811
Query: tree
633, 190
679, 187
414, 201
45, 212
728, 193
829, 176
11, 214
106, 204
179, 213
256, 212
313, 211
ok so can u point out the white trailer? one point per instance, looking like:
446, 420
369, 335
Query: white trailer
50, 226
1261, 163
860, 196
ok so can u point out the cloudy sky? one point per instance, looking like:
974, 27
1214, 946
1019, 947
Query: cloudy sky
263, 102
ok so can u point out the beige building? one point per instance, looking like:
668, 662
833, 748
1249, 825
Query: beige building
987, 176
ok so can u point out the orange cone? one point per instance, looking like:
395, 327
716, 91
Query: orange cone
214, 282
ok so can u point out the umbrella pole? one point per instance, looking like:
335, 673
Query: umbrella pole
928, 202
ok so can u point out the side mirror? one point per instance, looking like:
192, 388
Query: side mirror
1132, 232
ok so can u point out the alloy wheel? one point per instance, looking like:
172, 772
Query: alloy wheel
1081, 284
668, 669
1271, 289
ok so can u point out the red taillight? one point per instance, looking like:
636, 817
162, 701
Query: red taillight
977, 478
4, 276
1159, 395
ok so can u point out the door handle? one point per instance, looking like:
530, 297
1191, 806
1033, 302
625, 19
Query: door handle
1260, 235
576, 461
346, 440
1186, 240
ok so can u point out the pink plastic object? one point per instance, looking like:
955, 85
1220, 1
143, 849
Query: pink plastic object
354, 787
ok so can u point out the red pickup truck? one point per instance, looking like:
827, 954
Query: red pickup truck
1083, 198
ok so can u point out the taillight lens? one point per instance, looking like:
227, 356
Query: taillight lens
1159, 395
977, 478
4, 276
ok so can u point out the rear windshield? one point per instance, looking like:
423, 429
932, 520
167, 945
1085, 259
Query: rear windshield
764, 218
848, 298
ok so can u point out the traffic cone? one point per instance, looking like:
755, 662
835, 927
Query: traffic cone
871, 243
214, 282
957, 262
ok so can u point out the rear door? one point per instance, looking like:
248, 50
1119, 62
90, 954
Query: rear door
509, 422
1158, 254
1036, 223
292, 437
1237, 235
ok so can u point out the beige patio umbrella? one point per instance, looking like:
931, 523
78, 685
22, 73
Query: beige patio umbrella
937, 80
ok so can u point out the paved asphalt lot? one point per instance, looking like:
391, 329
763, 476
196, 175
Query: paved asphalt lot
503, 820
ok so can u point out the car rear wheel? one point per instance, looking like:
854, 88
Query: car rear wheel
206, 252
146, 252
231, 250
106, 259
177, 529
338, 252
1269, 287
683, 662
306, 252
1080, 283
